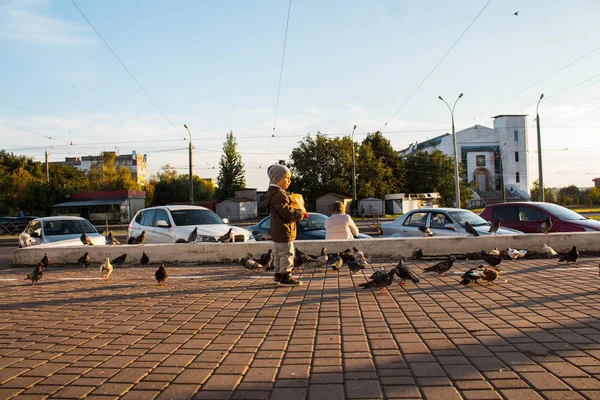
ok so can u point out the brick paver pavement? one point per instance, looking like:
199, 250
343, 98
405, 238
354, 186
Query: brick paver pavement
217, 332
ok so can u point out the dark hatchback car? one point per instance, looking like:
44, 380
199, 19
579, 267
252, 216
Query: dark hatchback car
527, 217
312, 228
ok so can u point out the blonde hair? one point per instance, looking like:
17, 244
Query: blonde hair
338, 207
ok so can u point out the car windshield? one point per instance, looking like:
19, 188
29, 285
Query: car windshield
314, 222
68, 227
561, 212
195, 217
467, 216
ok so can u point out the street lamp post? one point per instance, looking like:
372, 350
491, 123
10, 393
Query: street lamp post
354, 204
502, 172
191, 175
539, 140
456, 175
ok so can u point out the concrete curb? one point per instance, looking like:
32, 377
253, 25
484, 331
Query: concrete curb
376, 248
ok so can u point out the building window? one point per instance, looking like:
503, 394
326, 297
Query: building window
516, 136
480, 161
516, 156
518, 177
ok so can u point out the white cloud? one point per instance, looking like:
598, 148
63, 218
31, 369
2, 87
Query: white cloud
30, 20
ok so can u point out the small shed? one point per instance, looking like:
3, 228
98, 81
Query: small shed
401, 203
115, 206
237, 208
372, 206
324, 202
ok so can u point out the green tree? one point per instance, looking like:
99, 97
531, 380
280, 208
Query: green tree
392, 173
569, 195
371, 173
106, 176
231, 170
168, 187
434, 172
549, 195
593, 196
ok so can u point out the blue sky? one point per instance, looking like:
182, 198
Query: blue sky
215, 66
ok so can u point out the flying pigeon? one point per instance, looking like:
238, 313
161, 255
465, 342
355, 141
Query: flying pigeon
425, 231
140, 239
37, 273
45, 261
472, 276
85, 239
545, 226
144, 260
161, 274
106, 269
250, 264
119, 261
266, 260
404, 273
227, 238
442, 267
417, 254
111, 239
470, 230
516, 13
322, 258
355, 267
84, 260
193, 235
495, 226
492, 260
334, 261
570, 256
549, 251
516, 254
380, 279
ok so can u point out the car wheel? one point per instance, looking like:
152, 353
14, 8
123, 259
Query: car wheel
181, 241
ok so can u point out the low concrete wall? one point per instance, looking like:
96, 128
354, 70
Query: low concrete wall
376, 248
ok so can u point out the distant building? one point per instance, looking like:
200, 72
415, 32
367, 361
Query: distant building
237, 208
596, 182
117, 206
325, 201
136, 163
494, 158
401, 203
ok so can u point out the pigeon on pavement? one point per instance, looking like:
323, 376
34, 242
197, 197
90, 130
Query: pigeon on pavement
570, 256
250, 264
472, 276
161, 274
45, 261
36, 275
84, 260
492, 260
442, 267
417, 254
144, 260
106, 269
404, 273
119, 261
334, 261
266, 260
549, 251
355, 267
516, 254
380, 279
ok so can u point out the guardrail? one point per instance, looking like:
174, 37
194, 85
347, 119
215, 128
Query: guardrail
9, 228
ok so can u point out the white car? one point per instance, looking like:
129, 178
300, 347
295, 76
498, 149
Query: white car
58, 232
173, 224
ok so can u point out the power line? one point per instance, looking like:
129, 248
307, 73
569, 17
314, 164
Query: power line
541, 80
29, 131
124, 67
436, 66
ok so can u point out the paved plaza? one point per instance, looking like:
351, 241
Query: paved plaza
217, 332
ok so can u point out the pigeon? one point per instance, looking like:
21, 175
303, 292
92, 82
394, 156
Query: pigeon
545, 226
85, 239
322, 258
227, 238
404, 273
301, 258
357, 253
472, 276
37, 273
490, 274
570, 256
84, 260
144, 260
161, 274
355, 267
266, 260
119, 261
470, 230
131, 240
347, 256
516, 13
250, 264
111, 239
45, 261
140, 239
516, 254
549, 251
106, 269
494, 252
380, 279
193, 235
442, 267
335, 262
417, 254
492, 260
425, 231
495, 226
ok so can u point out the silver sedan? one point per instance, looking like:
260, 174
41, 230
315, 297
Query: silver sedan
441, 222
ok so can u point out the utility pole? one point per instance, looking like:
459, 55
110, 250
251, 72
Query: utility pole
191, 174
539, 140
456, 174
354, 203
47, 170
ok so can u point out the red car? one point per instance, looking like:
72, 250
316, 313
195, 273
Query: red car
527, 217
